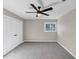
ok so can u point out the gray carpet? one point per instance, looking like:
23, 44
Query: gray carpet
39, 51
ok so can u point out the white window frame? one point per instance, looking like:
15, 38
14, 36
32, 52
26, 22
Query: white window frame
50, 26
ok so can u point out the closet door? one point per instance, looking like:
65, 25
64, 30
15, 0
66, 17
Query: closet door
12, 33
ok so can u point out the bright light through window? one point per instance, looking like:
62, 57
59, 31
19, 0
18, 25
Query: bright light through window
50, 27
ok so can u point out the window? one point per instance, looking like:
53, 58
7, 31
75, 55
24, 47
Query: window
50, 27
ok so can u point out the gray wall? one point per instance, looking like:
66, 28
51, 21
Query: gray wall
67, 31
34, 31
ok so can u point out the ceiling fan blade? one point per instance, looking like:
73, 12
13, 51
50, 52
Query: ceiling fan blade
31, 12
48, 9
34, 7
45, 14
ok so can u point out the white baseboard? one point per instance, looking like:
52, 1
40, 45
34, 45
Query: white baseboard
40, 40
66, 49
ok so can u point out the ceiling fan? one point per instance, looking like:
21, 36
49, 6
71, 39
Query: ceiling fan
39, 12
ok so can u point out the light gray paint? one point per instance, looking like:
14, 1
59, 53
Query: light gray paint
34, 31
67, 31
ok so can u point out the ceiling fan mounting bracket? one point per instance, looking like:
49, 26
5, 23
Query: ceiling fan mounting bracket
63, 0
39, 7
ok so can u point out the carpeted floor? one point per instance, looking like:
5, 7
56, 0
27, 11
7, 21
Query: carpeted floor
39, 51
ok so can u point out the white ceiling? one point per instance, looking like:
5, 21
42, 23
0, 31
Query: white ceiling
19, 7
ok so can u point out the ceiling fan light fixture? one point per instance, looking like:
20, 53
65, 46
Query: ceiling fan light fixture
38, 14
